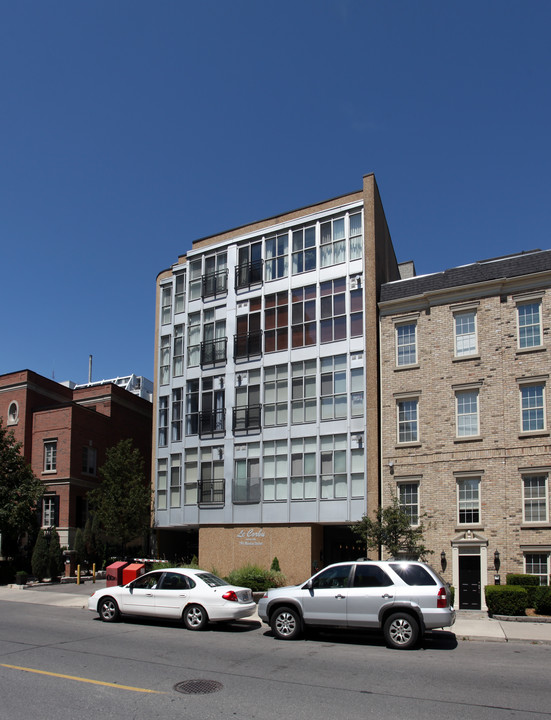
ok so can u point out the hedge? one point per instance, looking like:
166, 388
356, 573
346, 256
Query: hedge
542, 603
529, 582
256, 578
506, 600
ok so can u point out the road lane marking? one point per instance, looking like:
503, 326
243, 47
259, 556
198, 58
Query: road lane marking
81, 679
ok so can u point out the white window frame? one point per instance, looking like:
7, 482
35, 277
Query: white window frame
467, 504
162, 483
400, 362
544, 553
470, 338
473, 416
529, 498
403, 422
527, 407
529, 332
50, 456
411, 508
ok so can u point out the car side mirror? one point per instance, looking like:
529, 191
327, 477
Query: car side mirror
308, 585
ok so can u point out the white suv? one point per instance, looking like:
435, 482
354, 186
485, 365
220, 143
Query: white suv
403, 598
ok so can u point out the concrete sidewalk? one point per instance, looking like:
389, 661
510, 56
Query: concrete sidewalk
469, 625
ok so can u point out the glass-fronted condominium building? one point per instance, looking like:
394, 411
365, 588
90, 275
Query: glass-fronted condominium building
266, 388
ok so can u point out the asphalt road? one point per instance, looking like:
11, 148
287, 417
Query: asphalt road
65, 663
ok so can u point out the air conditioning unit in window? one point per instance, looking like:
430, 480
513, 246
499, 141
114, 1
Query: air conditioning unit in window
241, 379
356, 282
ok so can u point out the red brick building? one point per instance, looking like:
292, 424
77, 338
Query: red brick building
65, 432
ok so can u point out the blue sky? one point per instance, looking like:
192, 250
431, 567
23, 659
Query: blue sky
131, 128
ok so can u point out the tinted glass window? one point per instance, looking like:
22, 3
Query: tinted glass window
212, 580
147, 582
335, 577
370, 576
177, 581
413, 574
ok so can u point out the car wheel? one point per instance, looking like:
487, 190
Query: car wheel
108, 610
195, 617
401, 631
286, 623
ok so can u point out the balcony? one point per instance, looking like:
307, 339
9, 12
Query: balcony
214, 284
247, 418
214, 352
247, 345
248, 274
211, 492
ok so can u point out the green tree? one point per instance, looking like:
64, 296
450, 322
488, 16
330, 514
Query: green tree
55, 555
40, 561
122, 502
80, 547
391, 528
20, 493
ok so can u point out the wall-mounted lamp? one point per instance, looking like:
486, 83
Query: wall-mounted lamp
239, 380
391, 467
497, 561
220, 453
443, 560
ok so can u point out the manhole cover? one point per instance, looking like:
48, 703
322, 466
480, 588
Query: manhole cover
198, 687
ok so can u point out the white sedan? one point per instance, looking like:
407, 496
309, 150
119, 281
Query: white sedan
194, 596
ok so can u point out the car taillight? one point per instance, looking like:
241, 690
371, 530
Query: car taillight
442, 601
230, 595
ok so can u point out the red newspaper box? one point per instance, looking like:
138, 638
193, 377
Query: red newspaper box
131, 572
113, 573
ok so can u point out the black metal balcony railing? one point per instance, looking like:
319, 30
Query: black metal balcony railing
212, 422
247, 418
248, 274
212, 491
214, 351
247, 345
214, 284
246, 491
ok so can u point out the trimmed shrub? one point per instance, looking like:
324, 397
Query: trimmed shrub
21, 577
542, 600
40, 559
55, 555
275, 565
506, 600
529, 582
256, 578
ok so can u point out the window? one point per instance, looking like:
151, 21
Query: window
192, 407
277, 257
367, 576
333, 467
532, 407
180, 293
303, 469
215, 280
356, 239
175, 480
195, 280
406, 344
413, 574
357, 470
164, 363
408, 420
276, 394
191, 476
408, 496
177, 414
303, 316
303, 393
166, 304
304, 250
333, 310
246, 481
275, 470
529, 324
213, 406
356, 311
89, 456
213, 347
178, 354
248, 340
162, 477
332, 578
537, 564
333, 388
13, 413
163, 420
50, 455
247, 410
276, 322
465, 333
535, 495
468, 500
357, 387
211, 490
50, 511
193, 339
333, 242
466, 406
249, 265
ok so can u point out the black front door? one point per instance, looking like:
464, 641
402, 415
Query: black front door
469, 582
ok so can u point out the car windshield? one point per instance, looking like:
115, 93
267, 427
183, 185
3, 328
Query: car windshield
211, 580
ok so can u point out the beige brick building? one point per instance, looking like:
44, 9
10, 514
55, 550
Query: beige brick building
465, 360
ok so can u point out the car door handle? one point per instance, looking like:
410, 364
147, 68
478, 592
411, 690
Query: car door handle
183, 595
386, 595
340, 597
